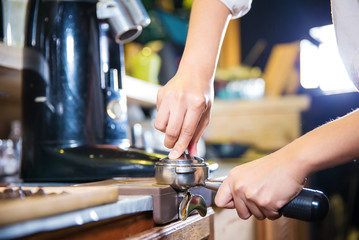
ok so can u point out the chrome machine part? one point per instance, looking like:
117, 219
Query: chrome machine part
184, 173
137, 12
122, 25
190, 203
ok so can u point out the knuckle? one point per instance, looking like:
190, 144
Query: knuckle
263, 202
273, 216
244, 215
160, 94
231, 175
172, 133
187, 132
180, 146
159, 125
260, 216
168, 144
219, 202
279, 204
250, 195
239, 189
163, 95
199, 103
180, 95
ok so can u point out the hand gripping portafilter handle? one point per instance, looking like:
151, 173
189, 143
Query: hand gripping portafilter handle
309, 205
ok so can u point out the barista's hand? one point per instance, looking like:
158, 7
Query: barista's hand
261, 187
184, 106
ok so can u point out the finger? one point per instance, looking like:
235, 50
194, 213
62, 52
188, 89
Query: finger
237, 195
272, 215
161, 94
242, 209
188, 129
192, 148
162, 118
174, 125
250, 197
230, 205
159, 98
203, 123
270, 211
224, 197
253, 208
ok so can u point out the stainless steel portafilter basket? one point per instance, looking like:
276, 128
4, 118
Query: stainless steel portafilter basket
184, 173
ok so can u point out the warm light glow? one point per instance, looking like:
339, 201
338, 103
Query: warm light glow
322, 66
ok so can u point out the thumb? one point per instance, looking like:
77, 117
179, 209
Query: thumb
224, 197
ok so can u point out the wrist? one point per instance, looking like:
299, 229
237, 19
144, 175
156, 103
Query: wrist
297, 160
196, 74
197, 69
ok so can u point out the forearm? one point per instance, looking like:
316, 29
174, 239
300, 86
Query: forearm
188, 96
332, 144
208, 23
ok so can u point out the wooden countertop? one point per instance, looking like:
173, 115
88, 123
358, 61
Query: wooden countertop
109, 221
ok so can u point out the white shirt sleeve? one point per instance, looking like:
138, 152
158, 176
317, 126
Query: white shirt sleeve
237, 7
346, 20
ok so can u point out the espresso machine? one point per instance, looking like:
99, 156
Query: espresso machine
74, 109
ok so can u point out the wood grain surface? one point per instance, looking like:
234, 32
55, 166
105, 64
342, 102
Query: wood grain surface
18, 210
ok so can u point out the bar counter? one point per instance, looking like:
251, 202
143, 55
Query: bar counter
128, 217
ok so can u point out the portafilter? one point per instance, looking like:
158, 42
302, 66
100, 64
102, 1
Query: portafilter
192, 171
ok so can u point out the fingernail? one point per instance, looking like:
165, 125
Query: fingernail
173, 154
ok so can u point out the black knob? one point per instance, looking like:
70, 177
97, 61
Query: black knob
309, 205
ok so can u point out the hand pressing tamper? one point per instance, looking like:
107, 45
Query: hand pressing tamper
191, 171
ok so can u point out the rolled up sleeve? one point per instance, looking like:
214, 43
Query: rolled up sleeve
346, 19
238, 8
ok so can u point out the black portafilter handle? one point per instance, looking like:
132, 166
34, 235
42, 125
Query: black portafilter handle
309, 205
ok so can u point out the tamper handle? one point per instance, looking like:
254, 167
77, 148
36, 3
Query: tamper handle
309, 205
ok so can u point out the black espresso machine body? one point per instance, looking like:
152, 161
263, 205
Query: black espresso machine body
74, 108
